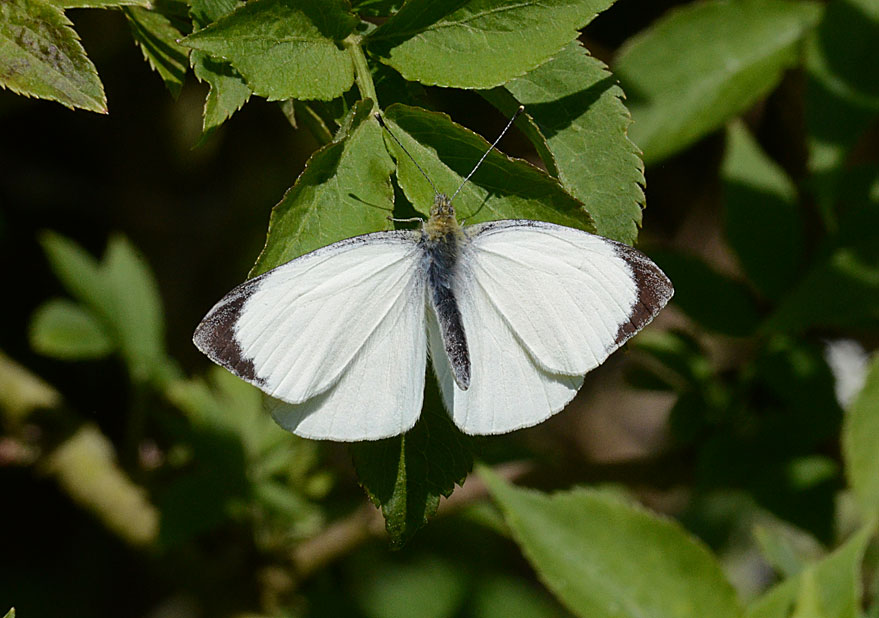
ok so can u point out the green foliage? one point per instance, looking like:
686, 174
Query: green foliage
120, 307
285, 48
157, 38
40, 56
344, 191
22, 392
786, 548
65, 329
502, 188
828, 588
703, 64
604, 557
510, 597
580, 127
99, 4
733, 309
841, 97
478, 43
238, 463
228, 90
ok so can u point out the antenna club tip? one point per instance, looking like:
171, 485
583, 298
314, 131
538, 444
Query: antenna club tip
521, 109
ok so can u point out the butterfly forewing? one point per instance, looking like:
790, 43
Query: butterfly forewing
295, 330
570, 297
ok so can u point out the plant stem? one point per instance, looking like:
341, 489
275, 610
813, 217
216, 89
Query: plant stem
362, 74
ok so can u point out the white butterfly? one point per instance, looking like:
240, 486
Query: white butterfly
513, 313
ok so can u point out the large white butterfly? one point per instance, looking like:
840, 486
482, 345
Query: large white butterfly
513, 314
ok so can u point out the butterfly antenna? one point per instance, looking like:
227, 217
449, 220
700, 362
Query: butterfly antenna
490, 148
400, 144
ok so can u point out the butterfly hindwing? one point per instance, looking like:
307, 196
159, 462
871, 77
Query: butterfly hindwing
508, 391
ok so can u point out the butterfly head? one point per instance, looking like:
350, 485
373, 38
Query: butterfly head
442, 219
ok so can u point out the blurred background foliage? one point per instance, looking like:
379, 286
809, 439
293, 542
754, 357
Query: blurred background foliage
139, 481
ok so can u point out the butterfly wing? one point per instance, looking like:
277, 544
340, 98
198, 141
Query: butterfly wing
507, 391
339, 332
542, 305
571, 297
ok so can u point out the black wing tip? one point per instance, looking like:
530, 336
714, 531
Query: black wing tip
654, 290
215, 338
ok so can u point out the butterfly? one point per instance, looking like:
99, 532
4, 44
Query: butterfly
512, 313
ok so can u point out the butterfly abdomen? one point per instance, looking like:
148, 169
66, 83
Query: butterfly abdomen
441, 246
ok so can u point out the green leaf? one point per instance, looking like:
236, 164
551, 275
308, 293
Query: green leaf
136, 308
406, 475
228, 91
581, 121
831, 587
40, 56
603, 557
122, 293
763, 224
67, 330
345, 190
157, 38
841, 290
712, 299
502, 188
702, 64
391, 589
202, 493
860, 442
10, 613
478, 43
285, 49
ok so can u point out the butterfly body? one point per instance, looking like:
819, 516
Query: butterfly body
442, 241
